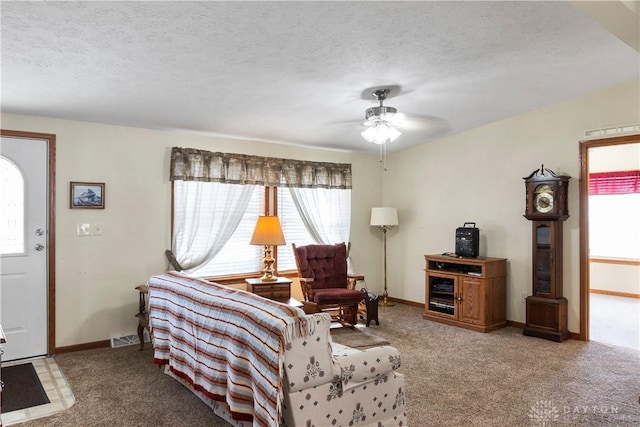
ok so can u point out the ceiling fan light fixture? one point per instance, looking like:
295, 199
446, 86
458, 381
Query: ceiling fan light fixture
380, 132
380, 113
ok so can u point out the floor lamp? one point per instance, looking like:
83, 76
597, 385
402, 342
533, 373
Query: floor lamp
384, 218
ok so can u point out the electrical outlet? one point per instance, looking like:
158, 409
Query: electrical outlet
523, 296
96, 229
83, 229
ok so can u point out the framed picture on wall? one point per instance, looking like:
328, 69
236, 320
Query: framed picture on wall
87, 195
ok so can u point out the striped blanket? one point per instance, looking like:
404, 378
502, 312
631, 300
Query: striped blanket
227, 343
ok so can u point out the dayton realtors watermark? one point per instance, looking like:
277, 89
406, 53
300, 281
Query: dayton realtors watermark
547, 413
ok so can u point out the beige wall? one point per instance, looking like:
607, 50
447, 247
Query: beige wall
614, 158
477, 176
95, 275
437, 186
615, 278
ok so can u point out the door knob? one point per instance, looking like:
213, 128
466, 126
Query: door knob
39, 247
39, 232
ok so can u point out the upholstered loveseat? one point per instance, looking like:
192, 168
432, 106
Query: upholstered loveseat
258, 362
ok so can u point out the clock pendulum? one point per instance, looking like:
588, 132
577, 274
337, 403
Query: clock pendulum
546, 205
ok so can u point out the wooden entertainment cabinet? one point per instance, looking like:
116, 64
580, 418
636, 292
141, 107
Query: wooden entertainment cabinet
466, 292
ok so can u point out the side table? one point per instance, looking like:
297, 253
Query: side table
279, 289
143, 314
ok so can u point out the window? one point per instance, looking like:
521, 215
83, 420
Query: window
213, 223
12, 208
217, 198
614, 230
312, 215
614, 209
237, 256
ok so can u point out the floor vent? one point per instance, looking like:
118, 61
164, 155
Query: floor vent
130, 339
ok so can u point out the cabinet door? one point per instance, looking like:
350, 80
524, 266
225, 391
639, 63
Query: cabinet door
547, 259
440, 291
471, 307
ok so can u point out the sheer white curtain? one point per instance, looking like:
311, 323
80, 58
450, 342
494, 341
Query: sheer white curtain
206, 214
326, 214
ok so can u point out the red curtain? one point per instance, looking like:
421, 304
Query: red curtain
623, 182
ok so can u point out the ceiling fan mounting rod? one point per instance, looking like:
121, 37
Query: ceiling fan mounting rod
380, 94
380, 113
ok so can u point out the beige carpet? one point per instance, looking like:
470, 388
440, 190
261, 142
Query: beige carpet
454, 377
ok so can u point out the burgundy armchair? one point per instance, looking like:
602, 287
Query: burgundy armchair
325, 283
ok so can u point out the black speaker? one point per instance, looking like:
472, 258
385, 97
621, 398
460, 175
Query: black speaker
467, 240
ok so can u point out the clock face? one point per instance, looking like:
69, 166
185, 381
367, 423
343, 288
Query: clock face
543, 202
543, 199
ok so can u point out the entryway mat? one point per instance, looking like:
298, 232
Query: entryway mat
55, 386
22, 388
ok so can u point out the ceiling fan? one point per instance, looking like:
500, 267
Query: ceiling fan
384, 123
379, 121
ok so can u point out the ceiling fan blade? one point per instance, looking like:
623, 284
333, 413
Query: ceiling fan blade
412, 125
424, 123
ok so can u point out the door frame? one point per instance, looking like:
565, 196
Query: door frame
51, 228
584, 222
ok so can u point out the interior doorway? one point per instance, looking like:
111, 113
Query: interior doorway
609, 303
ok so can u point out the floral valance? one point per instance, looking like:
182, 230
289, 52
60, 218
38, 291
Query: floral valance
190, 164
623, 182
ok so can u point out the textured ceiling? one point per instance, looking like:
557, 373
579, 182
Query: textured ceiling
298, 72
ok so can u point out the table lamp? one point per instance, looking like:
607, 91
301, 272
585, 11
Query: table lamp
268, 233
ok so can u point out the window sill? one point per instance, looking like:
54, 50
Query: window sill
620, 261
240, 278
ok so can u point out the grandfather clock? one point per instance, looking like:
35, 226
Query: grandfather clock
547, 208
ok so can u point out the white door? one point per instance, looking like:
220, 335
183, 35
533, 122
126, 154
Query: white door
23, 246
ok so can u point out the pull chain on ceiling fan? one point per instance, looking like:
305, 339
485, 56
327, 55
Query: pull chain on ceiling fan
378, 121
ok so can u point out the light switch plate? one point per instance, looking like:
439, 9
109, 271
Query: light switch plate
83, 229
96, 229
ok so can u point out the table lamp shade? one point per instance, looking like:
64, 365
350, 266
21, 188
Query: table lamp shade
268, 232
384, 217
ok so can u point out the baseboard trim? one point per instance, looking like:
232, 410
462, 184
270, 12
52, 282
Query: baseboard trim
575, 336
614, 293
406, 302
84, 346
515, 324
